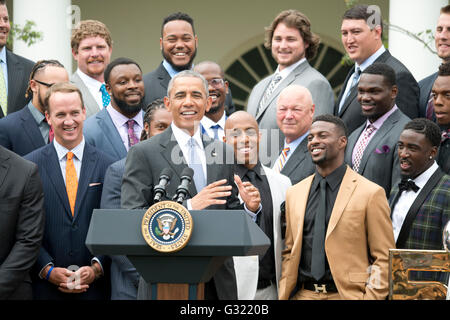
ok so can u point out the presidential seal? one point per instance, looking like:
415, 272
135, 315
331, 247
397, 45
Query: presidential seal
167, 226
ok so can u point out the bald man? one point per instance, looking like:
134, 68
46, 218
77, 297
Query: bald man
242, 132
295, 110
213, 122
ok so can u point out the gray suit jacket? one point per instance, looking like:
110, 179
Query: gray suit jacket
143, 166
90, 104
21, 224
407, 99
100, 131
380, 162
19, 69
124, 277
299, 165
425, 86
304, 75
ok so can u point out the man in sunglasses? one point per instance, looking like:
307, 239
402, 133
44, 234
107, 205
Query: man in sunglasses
27, 129
213, 122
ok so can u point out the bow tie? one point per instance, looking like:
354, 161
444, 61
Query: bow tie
406, 185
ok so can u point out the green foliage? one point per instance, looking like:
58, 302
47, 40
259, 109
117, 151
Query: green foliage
25, 33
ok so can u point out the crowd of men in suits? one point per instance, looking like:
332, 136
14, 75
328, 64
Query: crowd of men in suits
333, 184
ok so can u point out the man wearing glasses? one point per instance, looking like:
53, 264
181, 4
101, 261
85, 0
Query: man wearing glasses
213, 123
27, 129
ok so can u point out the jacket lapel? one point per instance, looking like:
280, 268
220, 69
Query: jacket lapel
296, 159
31, 129
163, 76
341, 94
15, 75
106, 124
346, 189
4, 166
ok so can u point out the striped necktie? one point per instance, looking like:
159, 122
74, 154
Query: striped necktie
282, 159
362, 146
275, 79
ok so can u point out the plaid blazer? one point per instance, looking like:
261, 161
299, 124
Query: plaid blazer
429, 218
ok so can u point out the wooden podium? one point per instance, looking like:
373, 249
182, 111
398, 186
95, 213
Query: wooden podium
217, 235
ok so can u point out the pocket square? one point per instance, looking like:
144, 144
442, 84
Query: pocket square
94, 184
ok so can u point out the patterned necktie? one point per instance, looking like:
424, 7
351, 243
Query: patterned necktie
196, 165
318, 246
71, 181
430, 108
106, 99
3, 93
362, 146
216, 128
275, 79
282, 159
132, 139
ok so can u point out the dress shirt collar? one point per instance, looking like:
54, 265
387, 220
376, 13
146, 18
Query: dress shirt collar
294, 144
3, 55
241, 170
334, 179
37, 115
120, 120
379, 122
370, 59
207, 122
170, 69
62, 151
183, 137
286, 71
423, 178
89, 81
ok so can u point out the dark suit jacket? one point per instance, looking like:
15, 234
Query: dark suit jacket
429, 214
157, 81
299, 165
20, 133
443, 158
144, 164
100, 131
64, 238
19, 69
407, 98
21, 224
379, 162
425, 86
124, 277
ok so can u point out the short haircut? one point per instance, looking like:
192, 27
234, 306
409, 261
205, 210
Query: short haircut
178, 16
444, 70
115, 63
426, 127
64, 87
38, 68
294, 19
384, 70
188, 74
89, 28
445, 9
335, 120
362, 12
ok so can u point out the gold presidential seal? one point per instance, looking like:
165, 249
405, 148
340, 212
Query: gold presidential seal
167, 226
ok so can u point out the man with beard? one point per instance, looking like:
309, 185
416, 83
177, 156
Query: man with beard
27, 129
118, 127
213, 123
338, 231
178, 44
91, 48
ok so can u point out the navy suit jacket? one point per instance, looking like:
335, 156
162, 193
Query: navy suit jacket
425, 86
64, 238
20, 133
100, 131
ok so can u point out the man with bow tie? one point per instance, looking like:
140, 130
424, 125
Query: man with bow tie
441, 99
420, 204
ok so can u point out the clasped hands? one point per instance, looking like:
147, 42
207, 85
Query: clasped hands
215, 192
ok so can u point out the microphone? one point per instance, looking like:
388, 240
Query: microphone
182, 190
160, 190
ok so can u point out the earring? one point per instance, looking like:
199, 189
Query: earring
431, 157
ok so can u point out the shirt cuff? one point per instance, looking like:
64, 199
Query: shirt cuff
188, 204
253, 215
98, 261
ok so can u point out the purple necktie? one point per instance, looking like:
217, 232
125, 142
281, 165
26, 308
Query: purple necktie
132, 139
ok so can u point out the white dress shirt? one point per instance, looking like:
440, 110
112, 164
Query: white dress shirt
94, 88
407, 198
207, 123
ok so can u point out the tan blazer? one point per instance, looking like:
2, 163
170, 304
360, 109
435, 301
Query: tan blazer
357, 241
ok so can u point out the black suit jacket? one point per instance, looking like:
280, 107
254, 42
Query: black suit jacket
19, 69
21, 224
20, 133
407, 98
143, 166
157, 81
425, 86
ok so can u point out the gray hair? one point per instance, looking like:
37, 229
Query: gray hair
188, 74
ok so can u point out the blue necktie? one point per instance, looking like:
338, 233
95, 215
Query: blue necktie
106, 99
216, 128
196, 165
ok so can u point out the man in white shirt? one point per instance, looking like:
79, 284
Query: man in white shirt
292, 43
91, 48
118, 127
67, 269
213, 122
